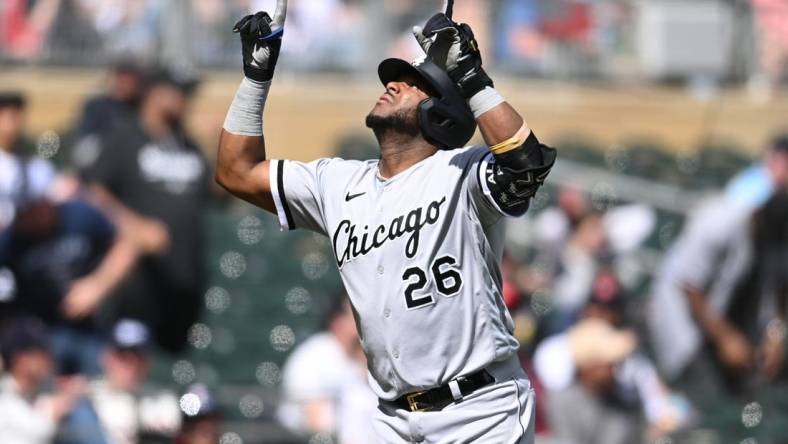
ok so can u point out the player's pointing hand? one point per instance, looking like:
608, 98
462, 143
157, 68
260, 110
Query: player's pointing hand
453, 47
261, 41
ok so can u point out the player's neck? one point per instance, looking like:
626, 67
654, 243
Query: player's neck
397, 155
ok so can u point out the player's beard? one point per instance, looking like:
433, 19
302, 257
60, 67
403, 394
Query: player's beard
399, 123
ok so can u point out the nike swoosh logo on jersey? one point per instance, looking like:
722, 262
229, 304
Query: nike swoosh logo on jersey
349, 197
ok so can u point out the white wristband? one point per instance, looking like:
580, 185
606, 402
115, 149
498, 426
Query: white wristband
245, 116
485, 100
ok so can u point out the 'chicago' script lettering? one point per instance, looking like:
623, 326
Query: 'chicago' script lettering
348, 244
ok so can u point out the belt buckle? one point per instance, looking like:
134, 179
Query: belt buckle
413, 403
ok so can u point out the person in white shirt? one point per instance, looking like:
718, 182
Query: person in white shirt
21, 177
596, 364
26, 415
324, 386
128, 408
752, 187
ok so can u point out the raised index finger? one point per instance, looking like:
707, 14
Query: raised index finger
449, 8
279, 16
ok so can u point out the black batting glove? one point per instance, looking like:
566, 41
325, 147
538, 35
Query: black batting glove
453, 46
261, 42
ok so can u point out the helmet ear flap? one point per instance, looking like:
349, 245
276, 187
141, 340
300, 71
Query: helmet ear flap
443, 126
438, 119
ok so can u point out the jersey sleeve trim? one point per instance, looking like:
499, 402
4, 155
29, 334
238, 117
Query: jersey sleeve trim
278, 192
480, 175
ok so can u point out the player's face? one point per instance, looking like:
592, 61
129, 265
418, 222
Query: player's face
401, 97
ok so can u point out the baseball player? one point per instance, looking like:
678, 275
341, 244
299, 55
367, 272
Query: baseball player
417, 235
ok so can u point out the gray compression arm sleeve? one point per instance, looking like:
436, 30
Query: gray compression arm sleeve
245, 116
484, 100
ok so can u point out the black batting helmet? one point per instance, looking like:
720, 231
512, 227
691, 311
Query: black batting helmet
446, 120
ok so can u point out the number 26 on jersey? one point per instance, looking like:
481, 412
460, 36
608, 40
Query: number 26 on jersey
443, 273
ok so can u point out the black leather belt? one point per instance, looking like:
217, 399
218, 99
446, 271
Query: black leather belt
437, 398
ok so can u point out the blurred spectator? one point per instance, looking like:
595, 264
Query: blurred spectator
85, 29
567, 20
535, 245
759, 305
752, 187
771, 16
154, 180
702, 266
554, 225
24, 26
557, 256
21, 176
537, 36
211, 25
27, 416
128, 408
73, 36
322, 34
518, 43
125, 27
587, 354
117, 105
578, 265
211, 21
594, 371
625, 227
65, 258
201, 420
324, 382
718, 312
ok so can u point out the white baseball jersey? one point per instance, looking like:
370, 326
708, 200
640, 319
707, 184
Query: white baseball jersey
419, 256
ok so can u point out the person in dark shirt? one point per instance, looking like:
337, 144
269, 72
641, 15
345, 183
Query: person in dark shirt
154, 179
65, 259
117, 105
759, 304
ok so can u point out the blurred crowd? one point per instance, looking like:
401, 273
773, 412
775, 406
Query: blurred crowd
555, 38
100, 262
700, 347
101, 272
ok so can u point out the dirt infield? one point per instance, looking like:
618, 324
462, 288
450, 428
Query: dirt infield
305, 115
